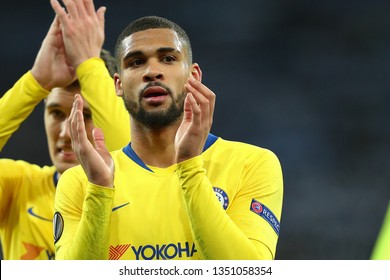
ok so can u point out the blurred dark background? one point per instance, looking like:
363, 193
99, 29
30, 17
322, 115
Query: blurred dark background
305, 79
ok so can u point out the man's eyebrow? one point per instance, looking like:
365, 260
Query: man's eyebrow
132, 54
53, 105
140, 53
58, 105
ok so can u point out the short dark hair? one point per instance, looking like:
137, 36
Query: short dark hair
151, 22
109, 61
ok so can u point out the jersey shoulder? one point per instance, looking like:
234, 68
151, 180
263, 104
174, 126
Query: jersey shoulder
11, 166
241, 151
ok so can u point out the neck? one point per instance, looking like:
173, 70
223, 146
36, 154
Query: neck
155, 147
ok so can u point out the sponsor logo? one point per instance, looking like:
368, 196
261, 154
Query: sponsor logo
120, 206
116, 252
58, 226
266, 214
32, 213
154, 252
164, 251
222, 197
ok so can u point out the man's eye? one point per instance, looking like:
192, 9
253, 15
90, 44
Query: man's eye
168, 59
136, 62
57, 114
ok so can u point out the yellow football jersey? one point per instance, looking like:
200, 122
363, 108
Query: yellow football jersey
224, 204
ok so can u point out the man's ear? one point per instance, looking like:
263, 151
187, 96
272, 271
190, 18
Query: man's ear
196, 72
118, 85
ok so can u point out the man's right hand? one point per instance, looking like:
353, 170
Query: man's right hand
51, 67
95, 159
82, 29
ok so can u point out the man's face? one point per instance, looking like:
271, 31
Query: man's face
154, 69
58, 106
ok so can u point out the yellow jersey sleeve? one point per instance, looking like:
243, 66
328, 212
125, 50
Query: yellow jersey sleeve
17, 104
86, 216
240, 232
108, 110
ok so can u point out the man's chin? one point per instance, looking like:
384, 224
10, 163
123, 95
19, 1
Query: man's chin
61, 167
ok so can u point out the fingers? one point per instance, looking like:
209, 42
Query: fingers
89, 7
72, 8
97, 163
76, 124
204, 97
80, 126
76, 9
82, 27
205, 91
70, 122
59, 10
192, 111
84, 8
100, 15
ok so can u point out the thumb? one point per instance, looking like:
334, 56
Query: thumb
100, 146
98, 138
55, 26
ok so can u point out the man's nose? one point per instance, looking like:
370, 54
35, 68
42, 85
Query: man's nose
64, 130
153, 72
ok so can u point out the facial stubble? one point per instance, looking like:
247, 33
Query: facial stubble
158, 118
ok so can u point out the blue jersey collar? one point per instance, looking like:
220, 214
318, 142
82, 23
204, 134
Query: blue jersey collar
132, 155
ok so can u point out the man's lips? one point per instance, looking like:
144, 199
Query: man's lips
154, 91
155, 95
66, 153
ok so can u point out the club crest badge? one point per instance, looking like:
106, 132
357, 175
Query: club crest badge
222, 197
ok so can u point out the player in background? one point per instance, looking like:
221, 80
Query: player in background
66, 64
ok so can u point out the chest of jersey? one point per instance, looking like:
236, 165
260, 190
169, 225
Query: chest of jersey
27, 232
148, 217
